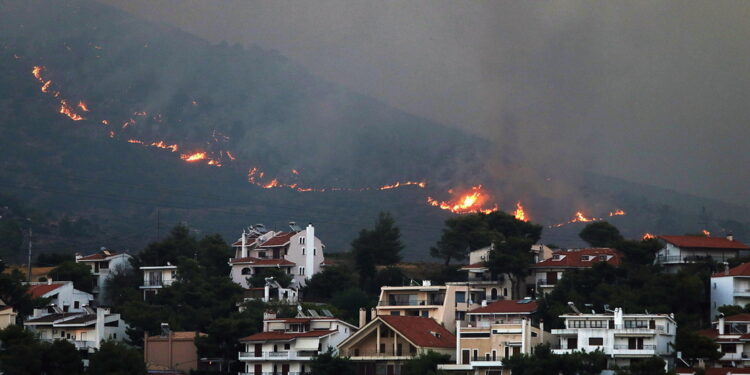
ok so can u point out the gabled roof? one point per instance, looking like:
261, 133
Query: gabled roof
418, 330
741, 270
285, 336
101, 255
704, 242
507, 307
738, 318
262, 262
83, 320
280, 239
575, 258
710, 333
39, 290
50, 318
248, 242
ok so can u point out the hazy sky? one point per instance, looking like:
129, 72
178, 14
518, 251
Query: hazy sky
654, 92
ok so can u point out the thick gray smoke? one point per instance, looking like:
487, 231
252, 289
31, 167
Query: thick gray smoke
649, 91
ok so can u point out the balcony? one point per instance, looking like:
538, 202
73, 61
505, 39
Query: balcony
388, 354
628, 350
411, 303
156, 283
544, 283
280, 355
742, 292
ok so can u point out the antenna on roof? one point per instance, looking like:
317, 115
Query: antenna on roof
573, 307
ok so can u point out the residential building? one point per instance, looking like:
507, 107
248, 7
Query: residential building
478, 275
298, 252
8, 316
157, 277
730, 287
496, 332
382, 345
103, 264
272, 291
443, 303
732, 333
87, 329
171, 351
713, 371
681, 250
548, 272
624, 338
287, 345
62, 296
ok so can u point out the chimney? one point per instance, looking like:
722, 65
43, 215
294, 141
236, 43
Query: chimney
373, 313
426, 283
730, 236
619, 320
309, 251
726, 268
269, 315
721, 324
243, 251
362, 317
49, 281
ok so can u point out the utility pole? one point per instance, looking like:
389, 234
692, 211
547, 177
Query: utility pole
29, 274
157, 224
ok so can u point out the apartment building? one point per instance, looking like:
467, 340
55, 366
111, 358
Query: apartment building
103, 264
87, 329
298, 252
478, 275
493, 333
730, 287
624, 338
287, 345
548, 272
382, 345
445, 304
732, 333
681, 250
156, 278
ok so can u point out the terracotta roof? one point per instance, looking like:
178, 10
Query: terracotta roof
327, 262
705, 242
40, 290
417, 330
266, 336
248, 242
738, 318
507, 307
87, 319
741, 270
710, 333
262, 262
573, 258
97, 256
473, 266
280, 239
51, 318
726, 370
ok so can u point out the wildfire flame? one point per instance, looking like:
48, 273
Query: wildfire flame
399, 184
82, 105
294, 171
648, 236
471, 201
105, 122
231, 157
67, 111
520, 212
617, 212
45, 86
135, 141
706, 233
193, 157
162, 144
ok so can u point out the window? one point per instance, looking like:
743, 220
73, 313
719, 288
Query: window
382, 348
460, 315
76, 304
577, 324
302, 270
262, 254
315, 251
425, 314
246, 271
597, 323
636, 324
460, 297
396, 313
596, 341
729, 348
505, 292
286, 346
302, 240
475, 354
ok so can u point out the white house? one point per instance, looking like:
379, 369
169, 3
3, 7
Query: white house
547, 273
87, 329
63, 297
680, 250
730, 287
298, 252
103, 264
287, 345
732, 333
622, 337
156, 278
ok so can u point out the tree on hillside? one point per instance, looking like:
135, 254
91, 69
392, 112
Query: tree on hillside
378, 246
349, 302
544, 362
258, 279
424, 363
329, 363
114, 358
178, 244
224, 333
13, 292
513, 257
638, 252
695, 347
461, 235
61, 357
79, 273
213, 253
600, 234
324, 284
19, 354
648, 366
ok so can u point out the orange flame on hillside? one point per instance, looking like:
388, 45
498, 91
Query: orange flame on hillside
647, 236
193, 157
466, 203
617, 212
520, 212
37, 72
162, 144
82, 105
706, 233
231, 157
399, 184
294, 171
105, 122
135, 141
45, 86
67, 111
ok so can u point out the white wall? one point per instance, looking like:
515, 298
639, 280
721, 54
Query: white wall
722, 293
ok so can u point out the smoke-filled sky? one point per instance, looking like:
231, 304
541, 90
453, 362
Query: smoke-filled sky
654, 92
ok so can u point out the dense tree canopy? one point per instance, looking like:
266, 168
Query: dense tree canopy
600, 234
79, 273
329, 363
378, 246
324, 284
424, 364
544, 362
114, 358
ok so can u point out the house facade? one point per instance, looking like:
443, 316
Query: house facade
493, 333
732, 333
62, 296
730, 287
87, 329
680, 250
382, 345
287, 345
298, 253
156, 278
103, 264
547, 273
171, 351
445, 304
624, 338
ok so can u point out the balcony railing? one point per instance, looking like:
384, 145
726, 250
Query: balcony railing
635, 347
275, 373
545, 282
416, 302
286, 355
387, 353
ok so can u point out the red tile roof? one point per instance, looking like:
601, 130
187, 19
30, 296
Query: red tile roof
279, 239
710, 333
507, 307
727, 370
98, 256
738, 318
248, 242
705, 242
417, 330
741, 270
573, 258
39, 290
266, 336
262, 262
